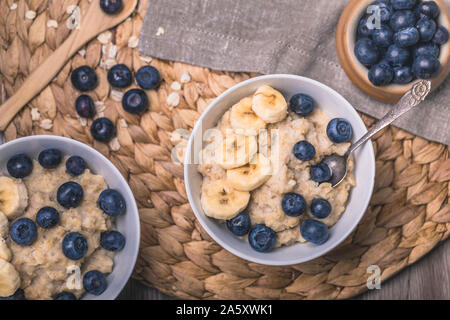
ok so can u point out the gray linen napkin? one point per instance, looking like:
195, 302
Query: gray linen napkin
276, 36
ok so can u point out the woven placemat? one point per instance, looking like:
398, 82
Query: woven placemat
409, 213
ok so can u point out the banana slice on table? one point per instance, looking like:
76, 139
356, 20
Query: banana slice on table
243, 117
13, 197
5, 252
221, 201
4, 225
9, 279
269, 104
236, 150
252, 175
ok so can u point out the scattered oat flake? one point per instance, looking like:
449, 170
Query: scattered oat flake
109, 63
116, 95
83, 121
173, 99
112, 52
104, 37
13, 6
46, 124
30, 14
114, 144
70, 9
133, 42
123, 123
52, 24
175, 86
146, 59
99, 106
82, 52
35, 114
160, 31
185, 78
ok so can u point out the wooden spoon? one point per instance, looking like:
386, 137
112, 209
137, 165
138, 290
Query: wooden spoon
92, 23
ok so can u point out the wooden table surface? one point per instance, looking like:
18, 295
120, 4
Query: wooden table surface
427, 279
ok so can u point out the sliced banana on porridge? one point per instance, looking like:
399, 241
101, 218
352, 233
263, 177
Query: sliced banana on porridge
269, 104
4, 225
5, 252
243, 117
9, 279
236, 150
221, 201
252, 175
13, 197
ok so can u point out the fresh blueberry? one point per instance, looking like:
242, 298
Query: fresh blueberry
402, 19
320, 173
23, 231
386, 10
293, 204
383, 36
398, 57
65, 296
112, 240
94, 282
406, 37
18, 295
148, 77
135, 101
262, 238
441, 36
75, 166
74, 246
381, 74
50, 158
84, 78
112, 202
427, 48
403, 4
364, 28
85, 107
339, 130
119, 76
427, 28
304, 151
239, 225
314, 231
70, 195
428, 9
320, 208
366, 52
403, 75
19, 166
301, 104
111, 6
102, 129
47, 217
426, 67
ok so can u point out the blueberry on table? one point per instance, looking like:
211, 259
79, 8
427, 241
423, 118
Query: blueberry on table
23, 231
381, 74
262, 238
320, 208
441, 35
111, 6
19, 166
301, 104
239, 225
403, 4
427, 28
320, 173
18, 295
85, 107
397, 56
112, 240
304, 151
383, 36
65, 296
314, 231
47, 217
102, 129
339, 130
386, 10
84, 78
364, 28
426, 67
426, 48
74, 246
69, 195
119, 76
94, 282
403, 75
112, 202
148, 77
135, 101
428, 9
366, 51
50, 158
402, 19
406, 37
293, 204
75, 166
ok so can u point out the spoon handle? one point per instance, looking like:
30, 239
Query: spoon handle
411, 99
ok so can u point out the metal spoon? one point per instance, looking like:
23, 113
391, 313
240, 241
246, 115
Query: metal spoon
338, 164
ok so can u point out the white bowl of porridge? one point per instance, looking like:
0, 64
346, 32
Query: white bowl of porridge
254, 175
77, 242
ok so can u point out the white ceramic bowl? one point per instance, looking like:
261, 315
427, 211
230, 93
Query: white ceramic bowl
127, 224
333, 104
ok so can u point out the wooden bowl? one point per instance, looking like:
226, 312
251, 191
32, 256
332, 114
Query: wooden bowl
358, 73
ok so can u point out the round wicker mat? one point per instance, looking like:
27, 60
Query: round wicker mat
409, 213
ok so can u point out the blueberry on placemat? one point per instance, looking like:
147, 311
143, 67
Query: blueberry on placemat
112, 240
120, 76
85, 107
148, 77
75, 166
19, 166
135, 101
111, 6
293, 204
262, 238
112, 202
84, 78
50, 158
74, 246
69, 195
102, 129
314, 231
94, 282
239, 225
23, 231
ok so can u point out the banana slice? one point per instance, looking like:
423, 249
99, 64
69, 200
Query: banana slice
4, 225
9, 279
236, 150
252, 175
269, 104
13, 197
5, 253
242, 117
221, 201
